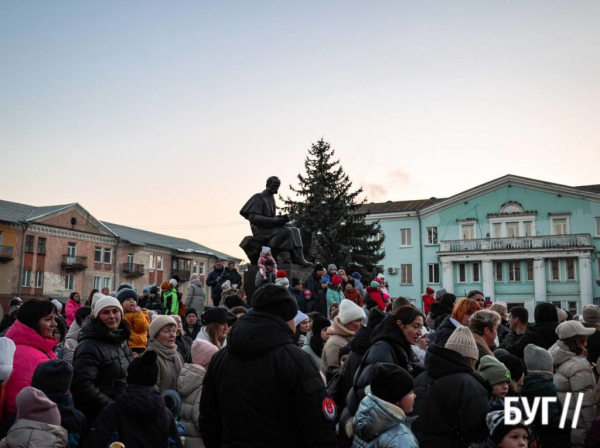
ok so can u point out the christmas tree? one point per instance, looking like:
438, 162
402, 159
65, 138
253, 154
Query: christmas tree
327, 214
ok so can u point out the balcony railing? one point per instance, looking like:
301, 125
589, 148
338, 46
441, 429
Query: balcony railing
133, 269
524, 243
6, 253
184, 275
74, 262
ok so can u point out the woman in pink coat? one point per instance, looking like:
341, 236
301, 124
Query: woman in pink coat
73, 304
32, 335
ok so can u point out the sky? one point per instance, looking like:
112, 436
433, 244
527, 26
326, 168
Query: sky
168, 116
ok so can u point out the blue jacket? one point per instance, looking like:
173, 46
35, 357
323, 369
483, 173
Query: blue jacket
211, 280
379, 424
299, 298
70, 418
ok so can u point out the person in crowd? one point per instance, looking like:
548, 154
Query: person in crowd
452, 400
192, 324
101, 358
322, 297
182, 340
155, 302
374, 292
230, 273
71, 339
478, 297
171, 299
350, 318
281, 279
270, 275
316, 338
105, 291
301, 328
216, 326
351, 293
162, 333
138, 417
189, 387
439, 294
239, 311
484, 325
381, 419
503, 435
440, 310
518, 322
420, 348
10, 318
232, 301
7, 353
265, 255
503, 328
342, 274
143, 299
138, 320
73, 304
242, 295
88, 301
295, 289
312, 282
331, 270
214, 281
53, 378
96, 297
173, 404
37, 424
562, 315
195, 295
60, 349
334, 291
498, 375
383, 287
543, 333
574, 375
261, 352
460, 316
591, 319
358, 284
428, 299
59, 307
399, 302
32, 334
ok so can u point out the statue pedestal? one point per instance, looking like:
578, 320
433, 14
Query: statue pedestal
292, 270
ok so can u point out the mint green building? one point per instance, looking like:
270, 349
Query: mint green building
520, 241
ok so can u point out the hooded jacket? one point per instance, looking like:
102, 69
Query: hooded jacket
374, 294
452, 401
30, 434
189, 388
543, 333
195, 297
358, 347
443, 332
438, 312
139, 322
339, 336
70, 309
70, 418
354, 295
284, 406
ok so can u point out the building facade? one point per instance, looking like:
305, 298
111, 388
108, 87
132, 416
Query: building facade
520, 241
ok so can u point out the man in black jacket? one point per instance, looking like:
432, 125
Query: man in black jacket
312, 282
543, 333
230, 273
214, 281
286, 405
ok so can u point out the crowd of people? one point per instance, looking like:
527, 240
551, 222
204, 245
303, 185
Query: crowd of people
329, 360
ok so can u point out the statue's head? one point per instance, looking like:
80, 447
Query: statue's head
273, 184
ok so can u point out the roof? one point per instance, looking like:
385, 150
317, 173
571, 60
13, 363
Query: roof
38, 212
398, 206
594, 188
13, 212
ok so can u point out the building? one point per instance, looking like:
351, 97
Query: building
53, 251
520, 241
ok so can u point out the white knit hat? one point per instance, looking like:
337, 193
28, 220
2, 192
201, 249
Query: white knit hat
462, 341
97, 296
105, 302
158, 323
300, 317
173, 282
7, 352
350, 311
57, 304
266, 249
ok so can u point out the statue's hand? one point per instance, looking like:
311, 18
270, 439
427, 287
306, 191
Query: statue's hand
283, 219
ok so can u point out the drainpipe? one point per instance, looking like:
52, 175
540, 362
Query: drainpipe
22, 263
420, 251
115, 261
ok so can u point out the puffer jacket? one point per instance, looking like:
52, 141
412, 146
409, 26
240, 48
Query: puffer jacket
438, 312
354, 295
72, 335
574, 374
339, 336
542, 333
189, 388
374, 294
70, 418
31, 350
443, 332
70, 309
30, 434
99, 366
233, 276
195, 297
308, 349
139, 322
334, 295
215, 286
379, 424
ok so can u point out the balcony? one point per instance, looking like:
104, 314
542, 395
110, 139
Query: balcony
74, 263
133, 269
184, 275
530, 243
6, 253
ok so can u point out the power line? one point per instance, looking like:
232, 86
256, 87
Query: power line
193, 226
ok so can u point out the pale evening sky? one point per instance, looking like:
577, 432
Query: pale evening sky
169, 115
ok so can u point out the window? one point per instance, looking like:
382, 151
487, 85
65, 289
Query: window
106, 282
98, 255
560, 226
151, 262
0, 238
39, 279
498, 272
159, 262
29, 244
475, 272
41, 246
72, 249
195, 267
406, 274
528, 228
512, 229
405, 237
554, 271
597, 226
570, 268
432, 237
529, 270
70, 281
26, 277
97, 282
514, 271
107, 256
462, 273
434, 273
497, 228
130, 258
572, 307
201, 268
468, 231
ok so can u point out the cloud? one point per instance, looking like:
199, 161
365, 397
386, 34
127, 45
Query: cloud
377, 192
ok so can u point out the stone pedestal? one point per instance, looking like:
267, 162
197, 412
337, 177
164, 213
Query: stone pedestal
292, 270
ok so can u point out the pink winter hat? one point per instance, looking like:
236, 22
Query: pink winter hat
32, 404
202, 352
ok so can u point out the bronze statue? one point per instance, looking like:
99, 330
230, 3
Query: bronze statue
270, 229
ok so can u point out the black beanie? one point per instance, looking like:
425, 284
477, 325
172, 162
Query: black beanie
125, 294
295, 281
319, 267
391, 383
514, 365
371, 303
319, 322
191, 311
53, 377
273, 299
375, 318
154, 290
143, 370
123, 286
345, 350
233, 301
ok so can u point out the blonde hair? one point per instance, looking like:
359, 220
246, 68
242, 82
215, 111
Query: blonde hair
484, 319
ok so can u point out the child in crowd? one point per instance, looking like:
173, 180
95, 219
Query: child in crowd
173, 404
503, 435
138, 320
154, 302
498, 376
281, 279
265, 254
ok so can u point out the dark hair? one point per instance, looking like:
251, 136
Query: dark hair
407, 314
73, 295
334, 313
61, 326
32, 311
473, 292
575, 344
389, 307
82, 313
239, 309
313, 314
448, 299
399, 303
521, 313
91, 295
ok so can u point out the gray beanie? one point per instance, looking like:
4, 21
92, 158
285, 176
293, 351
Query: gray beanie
537, 358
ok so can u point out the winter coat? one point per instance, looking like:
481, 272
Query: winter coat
270, 277
379, 424
232, 275
482, 347
355, 296
155, 304
184, 345
70, 309
283, 282
334, 295
540, 384
360, 288
286, 397
31, 350
374, 294
192, 333
592, 439
169, 366
308, 349
321, 299
541, 334
70, 418
427, 302
99, 366
438, 312
312, 282
189, 388
358, 347
215, 287
511, 338
171, 302
139, 322
443, 332
503, 331
6, 322
72, 335
339, 336
195, 297
593, 344
30, 434
299, 298
138, 418
574, 374
452, 401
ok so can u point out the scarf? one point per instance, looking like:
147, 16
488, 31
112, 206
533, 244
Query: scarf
481, 343
168, 357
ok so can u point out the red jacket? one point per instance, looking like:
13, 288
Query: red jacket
374, 294
427, 302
